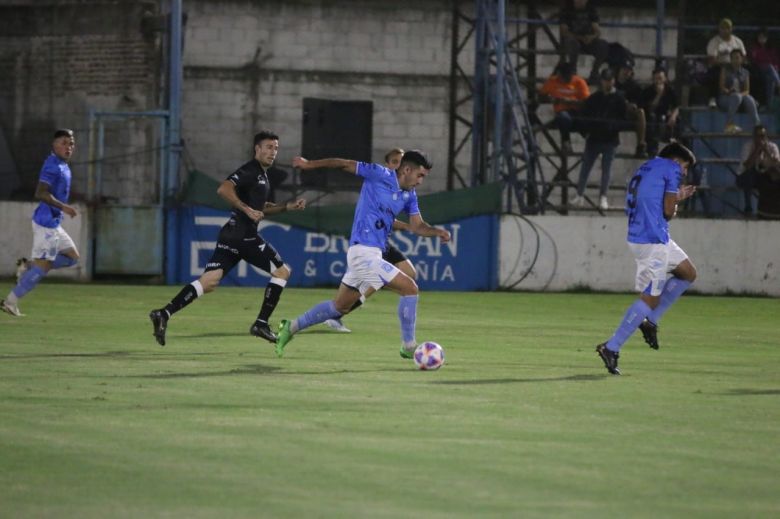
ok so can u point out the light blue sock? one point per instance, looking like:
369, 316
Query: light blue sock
319, 313
62, 260
673, 289
28, 281
634, 316
407, 314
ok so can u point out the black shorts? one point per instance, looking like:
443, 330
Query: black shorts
393, 255
253, 249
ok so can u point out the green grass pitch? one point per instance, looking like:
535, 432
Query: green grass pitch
97, 420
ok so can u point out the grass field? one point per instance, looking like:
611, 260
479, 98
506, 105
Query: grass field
98, 421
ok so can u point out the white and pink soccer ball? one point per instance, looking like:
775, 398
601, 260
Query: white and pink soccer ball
429, 356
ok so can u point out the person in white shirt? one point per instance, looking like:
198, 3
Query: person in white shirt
718, 54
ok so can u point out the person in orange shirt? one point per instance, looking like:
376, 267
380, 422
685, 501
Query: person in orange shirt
567, 91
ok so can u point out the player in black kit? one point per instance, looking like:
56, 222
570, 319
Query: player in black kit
247, 192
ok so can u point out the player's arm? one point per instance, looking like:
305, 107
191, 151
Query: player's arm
421, 228
293, 205
398, 225
227, 190
43, 193
672, 199
350, 166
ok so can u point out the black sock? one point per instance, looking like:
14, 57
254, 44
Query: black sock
272, 294
357, 303
186, 295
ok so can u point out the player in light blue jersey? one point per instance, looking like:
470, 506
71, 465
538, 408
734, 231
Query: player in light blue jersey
385, 194
52, 247
664, 271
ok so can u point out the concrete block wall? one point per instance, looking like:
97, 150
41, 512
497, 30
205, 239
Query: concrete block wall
58, 60
249, 65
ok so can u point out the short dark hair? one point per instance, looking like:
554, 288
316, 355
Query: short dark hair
676, 150
263, 135
758, 128
417, 157
565, 68
63, 132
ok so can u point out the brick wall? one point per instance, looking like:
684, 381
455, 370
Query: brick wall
58, 60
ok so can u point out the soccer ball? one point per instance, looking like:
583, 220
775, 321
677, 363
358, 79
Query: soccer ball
429, 356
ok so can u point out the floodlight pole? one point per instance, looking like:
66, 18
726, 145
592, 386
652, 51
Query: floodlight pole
175, 78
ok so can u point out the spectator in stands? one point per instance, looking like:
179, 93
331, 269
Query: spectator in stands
661, 109
580, 32
635, 116
719, 54
735, 92
766, 60
567, 91
761, 171
603, 113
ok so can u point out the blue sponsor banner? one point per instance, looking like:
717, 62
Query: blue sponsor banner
467, 262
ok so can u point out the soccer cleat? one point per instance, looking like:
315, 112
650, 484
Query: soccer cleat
338, 325
263, 331
407, 354
10, 308
650, 333
283, 337
609, 357
160, 324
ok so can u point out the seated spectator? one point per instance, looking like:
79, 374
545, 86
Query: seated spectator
761, 171
602, 115
580, 32
567, 92
766, 59
719, 54
635, 116
661, 108
735, 92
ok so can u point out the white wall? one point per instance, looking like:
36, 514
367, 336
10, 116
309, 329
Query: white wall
16, 238
730, 255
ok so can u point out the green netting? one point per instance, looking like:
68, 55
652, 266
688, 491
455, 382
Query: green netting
436, 208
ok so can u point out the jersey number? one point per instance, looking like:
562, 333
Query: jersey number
633, 186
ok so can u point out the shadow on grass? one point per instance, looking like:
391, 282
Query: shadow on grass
255, 369
260, 369
108, 354
749, 392
572, 378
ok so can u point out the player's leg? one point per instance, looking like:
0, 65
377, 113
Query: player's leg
44, 252
222, 260
366, 273
407, 311
651, 260
683, 275
332, 309
262, 255
67, 253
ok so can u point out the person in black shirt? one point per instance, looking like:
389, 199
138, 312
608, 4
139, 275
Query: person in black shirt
247, 192
635, 117
661, 108
603, 114
580, 32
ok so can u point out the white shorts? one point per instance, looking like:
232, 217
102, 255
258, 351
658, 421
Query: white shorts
654, 261
366, 269
48, 242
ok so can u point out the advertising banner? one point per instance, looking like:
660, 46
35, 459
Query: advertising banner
467, 262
